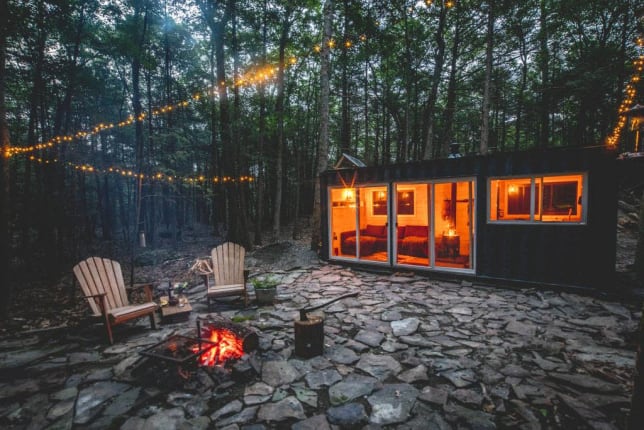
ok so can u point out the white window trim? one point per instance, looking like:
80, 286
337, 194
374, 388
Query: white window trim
533, 219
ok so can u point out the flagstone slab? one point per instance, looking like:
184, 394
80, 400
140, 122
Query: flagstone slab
277, 373
92, 399
405, 327
369, 337
317, 422
286, 408
351, 388
323, 378
392, 404
379, 366
586, 382
351, 415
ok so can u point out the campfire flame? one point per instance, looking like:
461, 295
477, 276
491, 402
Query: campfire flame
227, 346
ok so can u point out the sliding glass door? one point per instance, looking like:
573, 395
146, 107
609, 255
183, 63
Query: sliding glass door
453, 227
412, 224
433, 224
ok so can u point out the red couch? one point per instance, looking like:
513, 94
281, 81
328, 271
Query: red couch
413, 240
373, 238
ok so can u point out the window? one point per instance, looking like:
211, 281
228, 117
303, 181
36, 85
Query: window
553, 198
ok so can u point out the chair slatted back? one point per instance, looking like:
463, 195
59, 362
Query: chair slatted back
100, 275
228, 264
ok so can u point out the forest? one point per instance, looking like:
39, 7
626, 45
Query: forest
124, 120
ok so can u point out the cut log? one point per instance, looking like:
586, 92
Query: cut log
309, 337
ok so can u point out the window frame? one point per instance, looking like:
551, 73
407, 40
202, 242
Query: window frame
537, 182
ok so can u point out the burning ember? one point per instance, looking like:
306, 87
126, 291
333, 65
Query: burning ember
227, 346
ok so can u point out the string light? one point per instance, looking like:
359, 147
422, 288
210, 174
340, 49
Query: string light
629, 97
255, 75
156, 177
258, 74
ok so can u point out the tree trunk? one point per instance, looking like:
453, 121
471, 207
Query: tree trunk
240, 206
367, 144
279, 112
6, 288
544, 63
138, 110
485, 110
37, 94
405, 147
450, 107
217, 20
298, 181
106, 217
438, 70
261, 176
261, 136
345, 123
225, 131
149, 189
521, 93
323, 147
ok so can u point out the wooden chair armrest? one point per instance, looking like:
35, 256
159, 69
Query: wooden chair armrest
148, 286
99, 299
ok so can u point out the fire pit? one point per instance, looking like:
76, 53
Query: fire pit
230, 340
178, 349
218, 341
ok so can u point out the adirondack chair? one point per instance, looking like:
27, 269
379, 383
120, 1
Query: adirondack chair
102, 283
229, 276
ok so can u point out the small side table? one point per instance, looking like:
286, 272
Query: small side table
176, 313
452, 245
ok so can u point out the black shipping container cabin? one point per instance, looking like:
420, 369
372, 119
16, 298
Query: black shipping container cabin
546, 217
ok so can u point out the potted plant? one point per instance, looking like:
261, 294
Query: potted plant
265, 289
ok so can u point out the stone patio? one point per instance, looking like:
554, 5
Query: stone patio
408, 353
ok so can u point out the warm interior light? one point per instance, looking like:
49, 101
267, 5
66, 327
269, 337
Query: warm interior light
512, 189
348, 195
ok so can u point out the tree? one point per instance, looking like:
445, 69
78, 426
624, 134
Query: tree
5, 203
450, 107
485, 109
217, 15
279, 111
323, 147
439, 60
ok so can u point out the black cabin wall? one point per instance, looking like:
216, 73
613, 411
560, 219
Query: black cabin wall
564, 254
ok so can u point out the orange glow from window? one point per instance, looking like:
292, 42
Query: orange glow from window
551, 198
348, 194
